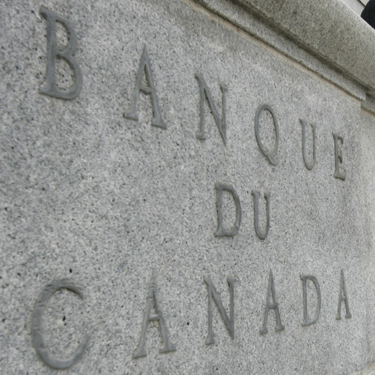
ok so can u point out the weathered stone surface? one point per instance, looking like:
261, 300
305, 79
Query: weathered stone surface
326, 28
90, 195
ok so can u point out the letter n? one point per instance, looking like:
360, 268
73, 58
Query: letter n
149, 89
204, 92
213, 295
152, 301
51, 87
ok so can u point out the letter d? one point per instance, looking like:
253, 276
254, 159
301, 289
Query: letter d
220, 232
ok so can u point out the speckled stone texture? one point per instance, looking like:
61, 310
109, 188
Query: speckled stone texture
102, 200
329, 29
368, 371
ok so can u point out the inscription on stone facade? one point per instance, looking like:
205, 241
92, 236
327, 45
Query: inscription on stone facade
262, 234
36, 325
308, 163
214, 295
204, 92
271, 155
274, 305
306, 320
145, 70
339, 172
343, 296
152, 302
53, 53
220, 232
262, 201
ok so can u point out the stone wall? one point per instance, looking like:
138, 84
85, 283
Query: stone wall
186, 187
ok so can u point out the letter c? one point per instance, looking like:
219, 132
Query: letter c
36, 325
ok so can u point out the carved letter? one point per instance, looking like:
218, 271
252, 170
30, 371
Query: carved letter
306, 321
213, 294
309, 165
273, 306
220, 232
270, 155
220, 123
152, 301
343, 296
267, 196
51, 88
338, 157
145, 68
36, 325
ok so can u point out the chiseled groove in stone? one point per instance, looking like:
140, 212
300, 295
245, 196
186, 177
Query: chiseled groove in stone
239, 16
325, 28
368, 105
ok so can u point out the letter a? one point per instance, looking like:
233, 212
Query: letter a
152, 301
51, 88
343, 296
273, 306
145, 68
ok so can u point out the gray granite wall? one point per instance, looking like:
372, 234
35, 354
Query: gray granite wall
111, 198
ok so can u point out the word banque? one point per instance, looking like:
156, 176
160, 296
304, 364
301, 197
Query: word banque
145, 71
152, 303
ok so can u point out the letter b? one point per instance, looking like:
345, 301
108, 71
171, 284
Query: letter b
51, 87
